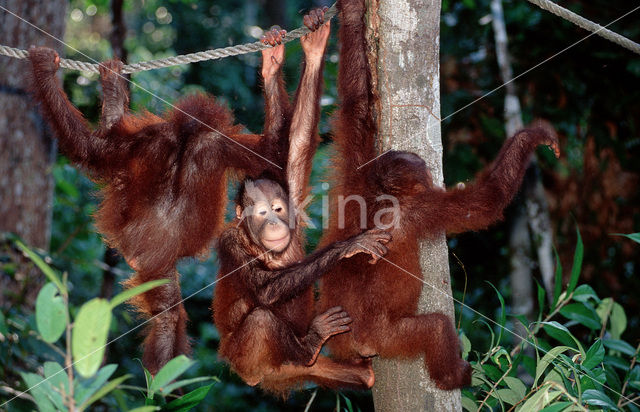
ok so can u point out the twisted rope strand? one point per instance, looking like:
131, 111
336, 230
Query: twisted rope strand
586, 24
213, 54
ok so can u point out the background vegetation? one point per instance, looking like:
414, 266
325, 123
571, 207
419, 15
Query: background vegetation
590, 93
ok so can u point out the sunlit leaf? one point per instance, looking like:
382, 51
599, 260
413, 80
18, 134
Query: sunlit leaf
540, 399
619, 345
38, 391
174, 368
585, 292
633, 236
516, 385
89, 338
129, 293
179, 384
51, 313
104, 390
547, 359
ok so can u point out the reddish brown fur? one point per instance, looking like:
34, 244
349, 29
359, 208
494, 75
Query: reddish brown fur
382, 300
264, 305
164, 183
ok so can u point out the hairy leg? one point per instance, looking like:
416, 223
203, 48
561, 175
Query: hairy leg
167, 335
325, 372
433, 335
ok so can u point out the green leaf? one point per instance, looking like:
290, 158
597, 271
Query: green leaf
46, 269
634, 378
577, 263
557, 288
562, 334
89, 338
617, 321
4, 331
174, 368
582, 314
103, 391
556, 407
507, 396
503, 314
51, 313
189, 400
547, 359
58, 381
594, 397
516, 385
619, 345
39, 391
595, 355
633, 236
541, 299
83, 393
179, 384
129, 293
540, 399
585, 292
466, 345
469, 404
617, 362
148, 408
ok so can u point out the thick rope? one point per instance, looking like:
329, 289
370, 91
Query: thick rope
176, 60
587, 24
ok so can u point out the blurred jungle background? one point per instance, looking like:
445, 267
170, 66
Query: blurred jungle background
589, 93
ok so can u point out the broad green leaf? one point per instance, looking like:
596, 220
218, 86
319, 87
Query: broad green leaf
561, 333
174, 368
39, 391
577, 263
617, 321
148, 408
192, 399
129, 293
103, 391
595, 355
633, 236
506, 395
46, 269
58, 380
51, 313
516, 385
179, 384
89, 338
557, 288
582, 314
469, 404
547, 359
585, 292
594, 397
83, 393
619, 345
540, 399
556, 407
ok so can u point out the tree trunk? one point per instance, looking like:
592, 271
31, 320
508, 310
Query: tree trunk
26, 149
408, 82
532, 208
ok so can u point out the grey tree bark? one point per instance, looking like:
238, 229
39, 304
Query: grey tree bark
408, 82
26, 149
